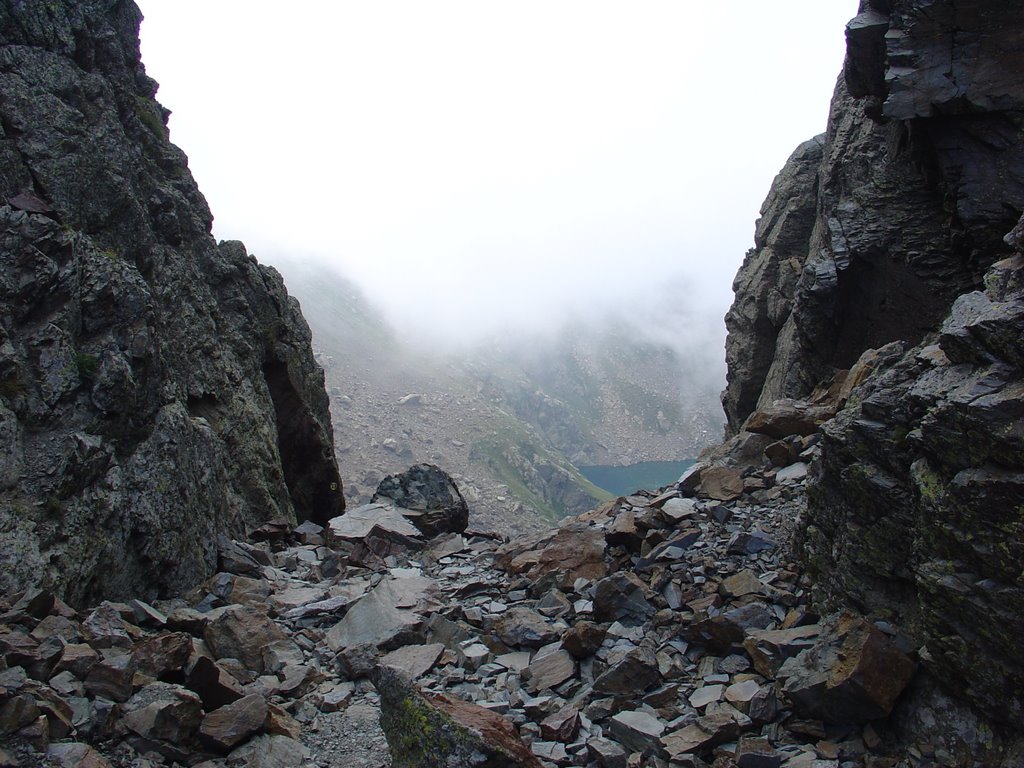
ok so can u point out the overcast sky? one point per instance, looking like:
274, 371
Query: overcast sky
476, 164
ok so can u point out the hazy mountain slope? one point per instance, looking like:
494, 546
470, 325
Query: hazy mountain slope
510, 420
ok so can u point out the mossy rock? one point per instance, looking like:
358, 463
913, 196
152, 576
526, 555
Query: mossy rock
432, 731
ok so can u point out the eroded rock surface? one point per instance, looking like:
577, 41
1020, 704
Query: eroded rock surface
156, 388
907, 311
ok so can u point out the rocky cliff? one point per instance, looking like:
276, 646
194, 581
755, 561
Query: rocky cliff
893, 250
156, 388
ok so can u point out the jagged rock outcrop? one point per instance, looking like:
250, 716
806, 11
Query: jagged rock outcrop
765, 284
917, 511
911, 206
914, 512
156, 388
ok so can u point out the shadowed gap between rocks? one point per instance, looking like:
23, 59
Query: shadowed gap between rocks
315, 496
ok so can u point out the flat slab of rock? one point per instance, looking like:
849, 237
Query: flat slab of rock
386, 617
637, 731
358, 523
414, 660
794, 473
708, 694
549, 670
721, 483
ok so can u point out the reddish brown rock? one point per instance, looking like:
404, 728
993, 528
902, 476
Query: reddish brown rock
788, 417
721, 483
245, 634
570, 552
163, 654
525, 628
561, 726
233, 723
427, 729
280, 723
854, 673
583, 638
17, 712
111, 677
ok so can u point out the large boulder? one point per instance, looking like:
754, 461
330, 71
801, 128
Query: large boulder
428, 497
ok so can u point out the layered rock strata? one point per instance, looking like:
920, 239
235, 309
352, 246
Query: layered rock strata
921, 175
156, 388
907, 310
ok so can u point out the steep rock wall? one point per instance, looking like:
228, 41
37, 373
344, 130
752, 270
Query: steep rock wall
156, 388
913, 195
916, 508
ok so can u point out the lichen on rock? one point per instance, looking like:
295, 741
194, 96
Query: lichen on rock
157, 388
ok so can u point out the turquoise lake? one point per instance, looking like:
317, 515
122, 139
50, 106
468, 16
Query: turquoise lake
647, 475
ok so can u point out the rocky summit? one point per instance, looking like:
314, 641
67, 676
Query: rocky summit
837, 585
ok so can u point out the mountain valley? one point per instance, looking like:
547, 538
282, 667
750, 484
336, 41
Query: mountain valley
203, 564
512, 420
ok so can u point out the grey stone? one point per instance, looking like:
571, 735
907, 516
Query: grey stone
549, 670
634, 673
705, 695
637, 731
164, 712
358, 523
414, 660
385, 617
525, 628
269, 751
607, 753
622, 597
752, 752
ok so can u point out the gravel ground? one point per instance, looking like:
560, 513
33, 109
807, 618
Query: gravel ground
351, 738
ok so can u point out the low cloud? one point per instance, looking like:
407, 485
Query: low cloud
484, 169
